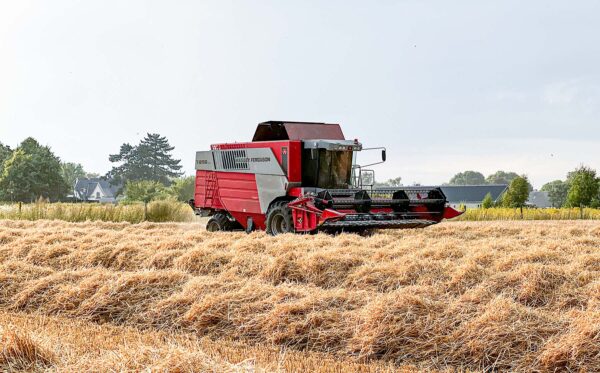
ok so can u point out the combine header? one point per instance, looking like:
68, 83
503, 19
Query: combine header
301, 177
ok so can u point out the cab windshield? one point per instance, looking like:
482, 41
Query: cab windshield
326, 169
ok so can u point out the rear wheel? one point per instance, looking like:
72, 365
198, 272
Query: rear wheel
279, 219
219, 222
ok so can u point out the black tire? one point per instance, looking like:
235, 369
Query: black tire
219, 223
279, 219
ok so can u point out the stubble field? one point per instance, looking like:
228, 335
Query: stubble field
459, 296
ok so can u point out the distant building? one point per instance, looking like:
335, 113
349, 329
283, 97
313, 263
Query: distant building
539, 199
95, 190
471, 196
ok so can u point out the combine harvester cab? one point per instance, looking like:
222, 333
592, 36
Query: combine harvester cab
301, 177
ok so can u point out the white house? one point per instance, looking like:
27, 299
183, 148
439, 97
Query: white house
95, 190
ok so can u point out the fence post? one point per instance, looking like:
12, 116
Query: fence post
145, 210
581, 212
20, 205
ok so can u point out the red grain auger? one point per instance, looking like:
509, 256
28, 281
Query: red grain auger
301, 177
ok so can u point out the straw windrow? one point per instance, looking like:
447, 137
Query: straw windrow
503, 295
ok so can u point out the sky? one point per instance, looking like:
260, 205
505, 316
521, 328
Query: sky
445, 86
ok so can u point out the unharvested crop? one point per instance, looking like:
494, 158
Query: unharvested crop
172, 211
486, 295
501, 213
158, 211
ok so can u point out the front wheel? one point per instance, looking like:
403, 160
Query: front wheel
279, 219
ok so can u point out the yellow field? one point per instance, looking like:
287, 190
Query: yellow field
157, 211
503, 213
172, 211
466, 295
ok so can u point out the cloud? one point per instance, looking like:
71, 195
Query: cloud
575, 92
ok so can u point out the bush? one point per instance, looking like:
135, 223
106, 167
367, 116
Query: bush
145, 191
182, 189
487, 201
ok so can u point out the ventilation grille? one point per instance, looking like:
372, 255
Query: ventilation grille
234, 159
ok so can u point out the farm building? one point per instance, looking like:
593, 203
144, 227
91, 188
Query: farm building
471, 196
95, 190
539, 199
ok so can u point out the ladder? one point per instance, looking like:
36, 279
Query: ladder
209, 188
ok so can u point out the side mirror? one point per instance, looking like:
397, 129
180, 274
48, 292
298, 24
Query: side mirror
314, 153
383, 155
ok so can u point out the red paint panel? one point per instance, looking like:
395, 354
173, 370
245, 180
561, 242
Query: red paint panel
199, 192
295, 162
234, 183
205, 190
238, 192
295, 191
230, 191
258, 219
304, 221
450, 213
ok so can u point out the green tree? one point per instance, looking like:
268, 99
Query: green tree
183, 188
71, 172
5, 153
151, 159
487, 201
144, 191
517, 193
583, 187
501, 177
557, 192
31, 172
467, 178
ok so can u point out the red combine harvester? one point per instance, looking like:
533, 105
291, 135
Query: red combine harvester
302, 177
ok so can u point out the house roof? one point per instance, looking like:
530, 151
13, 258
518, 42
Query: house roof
472, 193
89, 185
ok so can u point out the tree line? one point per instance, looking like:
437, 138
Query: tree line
142, 172
581, 187
147, 171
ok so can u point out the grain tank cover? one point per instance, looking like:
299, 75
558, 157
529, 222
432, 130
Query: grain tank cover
278, 130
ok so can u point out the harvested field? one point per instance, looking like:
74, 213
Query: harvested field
469, 295
36, 342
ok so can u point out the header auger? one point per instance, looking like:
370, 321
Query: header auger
302, 177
